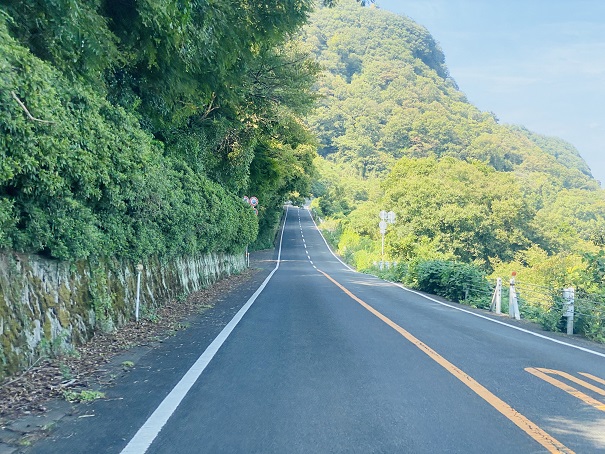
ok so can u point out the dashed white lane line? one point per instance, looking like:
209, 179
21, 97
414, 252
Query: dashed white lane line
305, 244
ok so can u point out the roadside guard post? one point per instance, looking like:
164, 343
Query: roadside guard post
569, 296
138, 298
497, 297
513, 303
253, 202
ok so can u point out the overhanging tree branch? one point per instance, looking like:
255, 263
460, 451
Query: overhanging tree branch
30, 116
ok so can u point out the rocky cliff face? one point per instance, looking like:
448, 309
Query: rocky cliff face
50, 306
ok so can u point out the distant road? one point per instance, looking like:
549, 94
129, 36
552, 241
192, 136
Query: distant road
327, 360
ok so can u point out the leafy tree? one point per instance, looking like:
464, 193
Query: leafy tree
121, 122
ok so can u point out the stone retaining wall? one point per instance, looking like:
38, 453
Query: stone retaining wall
51, 306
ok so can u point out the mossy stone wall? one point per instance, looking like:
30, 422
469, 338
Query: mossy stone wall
48, 305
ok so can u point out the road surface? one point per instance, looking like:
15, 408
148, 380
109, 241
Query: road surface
322, 359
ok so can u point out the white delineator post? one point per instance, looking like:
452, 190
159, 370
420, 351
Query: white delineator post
497, 298
513, 304
253, 202
569, 295
137, 304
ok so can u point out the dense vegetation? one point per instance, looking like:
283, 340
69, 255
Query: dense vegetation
134, 128
472, 197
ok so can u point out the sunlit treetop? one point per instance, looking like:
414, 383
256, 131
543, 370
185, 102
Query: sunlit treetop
331, 3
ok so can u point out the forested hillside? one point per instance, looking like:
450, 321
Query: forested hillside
131, 129
396, 133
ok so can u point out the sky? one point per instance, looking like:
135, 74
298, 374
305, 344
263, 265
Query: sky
536, 63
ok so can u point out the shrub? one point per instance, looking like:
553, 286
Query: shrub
452, 280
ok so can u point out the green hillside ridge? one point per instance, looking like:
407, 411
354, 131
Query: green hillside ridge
470, 194
387, 94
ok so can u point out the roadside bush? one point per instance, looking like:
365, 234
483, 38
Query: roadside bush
80, 178
590, 316
395, 273
453, 280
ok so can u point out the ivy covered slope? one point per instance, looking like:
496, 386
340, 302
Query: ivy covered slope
397, 134
134, 128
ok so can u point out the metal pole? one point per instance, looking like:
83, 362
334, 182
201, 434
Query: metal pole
383, 230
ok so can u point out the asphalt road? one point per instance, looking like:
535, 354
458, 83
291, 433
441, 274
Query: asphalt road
327, 360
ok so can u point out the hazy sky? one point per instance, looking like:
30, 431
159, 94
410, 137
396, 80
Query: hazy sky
537, 63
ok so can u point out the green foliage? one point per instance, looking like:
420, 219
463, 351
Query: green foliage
72, 35
468, 210
470, 195
563, 152
57, 347
387, 94
592, 323
83, 396
132, 129
456, 281
396, 272
572, 221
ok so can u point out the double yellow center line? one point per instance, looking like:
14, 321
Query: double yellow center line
535, 432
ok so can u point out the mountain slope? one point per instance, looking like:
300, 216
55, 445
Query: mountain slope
387, 94
472, 197
397, 133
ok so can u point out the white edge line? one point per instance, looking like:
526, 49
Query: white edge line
329, 248
152, 427
556, 341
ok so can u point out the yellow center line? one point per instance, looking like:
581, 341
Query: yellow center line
571, 378
535, 432
592, 377
544, 375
